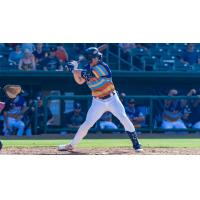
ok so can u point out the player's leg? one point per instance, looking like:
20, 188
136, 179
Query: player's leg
118, 111
107, 125
179, 124
20, 126
167, 124
196, 125
7, 131
94, 113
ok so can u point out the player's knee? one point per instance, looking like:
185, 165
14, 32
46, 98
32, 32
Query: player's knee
123, 117
21, 125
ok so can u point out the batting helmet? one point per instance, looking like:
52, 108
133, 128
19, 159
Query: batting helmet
91, 53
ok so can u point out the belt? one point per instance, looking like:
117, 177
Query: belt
107, 96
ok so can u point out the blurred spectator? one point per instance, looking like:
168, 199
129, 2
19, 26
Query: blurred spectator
28, 46
28, 117
61, 53
106, 122
13, 115
15, 57
193, 120
40, 118
173, 112
134, 114
123, 99
40, 55
51, 63
76, 117
127, 47
190, 56
27, 63
141, 46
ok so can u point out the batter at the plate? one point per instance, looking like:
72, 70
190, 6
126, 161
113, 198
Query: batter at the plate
98, 77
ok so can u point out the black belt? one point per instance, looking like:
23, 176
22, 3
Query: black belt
106, 97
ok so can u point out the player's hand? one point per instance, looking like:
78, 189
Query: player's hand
85, 75
75, 64
193, 91
69, 66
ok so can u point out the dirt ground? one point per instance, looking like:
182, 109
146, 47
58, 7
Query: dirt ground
100, 151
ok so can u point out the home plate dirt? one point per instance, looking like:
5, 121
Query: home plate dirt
100, 151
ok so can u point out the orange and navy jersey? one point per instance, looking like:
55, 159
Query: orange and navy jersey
101, 82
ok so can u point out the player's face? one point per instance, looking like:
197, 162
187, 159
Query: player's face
40, 103
94, 62
77, 111
131, 105
39, 46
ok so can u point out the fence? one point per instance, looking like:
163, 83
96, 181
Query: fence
153, 102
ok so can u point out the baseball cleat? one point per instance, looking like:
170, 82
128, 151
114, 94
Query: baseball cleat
140, 150
65, 147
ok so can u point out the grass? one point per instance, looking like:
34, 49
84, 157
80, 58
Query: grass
146, 142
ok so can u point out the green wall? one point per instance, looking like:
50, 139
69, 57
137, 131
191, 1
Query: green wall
129, 82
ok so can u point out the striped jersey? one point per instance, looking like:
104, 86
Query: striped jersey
101, 81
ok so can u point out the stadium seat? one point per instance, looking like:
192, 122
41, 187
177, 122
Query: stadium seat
196, 67
157, 51
148, 62
164, 46
139, 52
175, 51
163, 67
180, 46
182, 67
168, 58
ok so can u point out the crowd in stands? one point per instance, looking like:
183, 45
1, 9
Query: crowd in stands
30, 57
140, 56
162, 56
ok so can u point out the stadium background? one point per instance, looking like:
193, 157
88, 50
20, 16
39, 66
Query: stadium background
138, 69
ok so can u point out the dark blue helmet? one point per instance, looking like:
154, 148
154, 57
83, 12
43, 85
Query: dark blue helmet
92, 52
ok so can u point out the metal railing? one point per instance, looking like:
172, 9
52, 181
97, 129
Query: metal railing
119, 59
151, 104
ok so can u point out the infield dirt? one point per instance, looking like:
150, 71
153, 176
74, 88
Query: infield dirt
99, 151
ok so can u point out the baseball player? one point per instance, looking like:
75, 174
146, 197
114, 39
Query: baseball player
98, 77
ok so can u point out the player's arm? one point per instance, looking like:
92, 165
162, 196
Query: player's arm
78, 77
140, 118
77, 73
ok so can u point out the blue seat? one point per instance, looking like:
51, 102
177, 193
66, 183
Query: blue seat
139, 52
